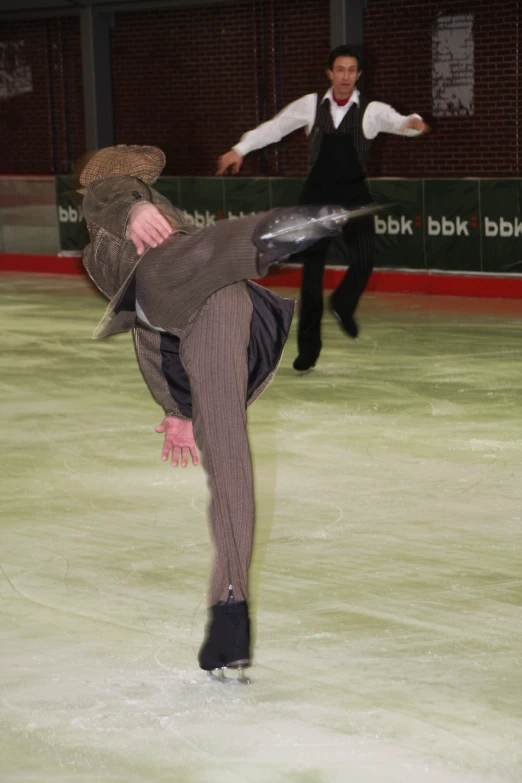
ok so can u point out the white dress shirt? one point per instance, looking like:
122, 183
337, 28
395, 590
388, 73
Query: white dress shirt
378, 118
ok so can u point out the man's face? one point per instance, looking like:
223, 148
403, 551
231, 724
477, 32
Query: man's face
343, 76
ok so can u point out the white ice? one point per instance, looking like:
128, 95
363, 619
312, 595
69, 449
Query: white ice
386, 582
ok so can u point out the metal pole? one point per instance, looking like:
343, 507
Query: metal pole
97, 77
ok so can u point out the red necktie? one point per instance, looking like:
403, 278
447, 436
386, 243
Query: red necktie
342, 102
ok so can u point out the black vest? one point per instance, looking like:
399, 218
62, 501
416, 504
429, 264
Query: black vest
338, 158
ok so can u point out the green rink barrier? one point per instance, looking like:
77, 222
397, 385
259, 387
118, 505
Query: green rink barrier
454, 225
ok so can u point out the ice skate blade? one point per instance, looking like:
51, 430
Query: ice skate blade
219, 675
304, 372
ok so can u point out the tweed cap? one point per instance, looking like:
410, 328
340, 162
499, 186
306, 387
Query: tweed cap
132, 160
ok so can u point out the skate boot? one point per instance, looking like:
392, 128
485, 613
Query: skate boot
285, 231
346, 320
227, 640
288, 230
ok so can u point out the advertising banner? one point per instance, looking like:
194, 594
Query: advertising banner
452, 226
501, 202
457, 225
73, 231
244, 196
399, 239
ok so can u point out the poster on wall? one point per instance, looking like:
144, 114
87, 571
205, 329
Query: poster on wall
453, 66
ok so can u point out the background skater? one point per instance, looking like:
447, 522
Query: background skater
341, 126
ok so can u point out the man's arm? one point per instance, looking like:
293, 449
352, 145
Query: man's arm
299, 114
122, 206
382, 118
179, 436
147, 344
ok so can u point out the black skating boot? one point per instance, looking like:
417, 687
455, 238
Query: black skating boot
227, 641
346, 320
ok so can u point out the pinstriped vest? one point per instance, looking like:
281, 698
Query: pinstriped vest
338, 158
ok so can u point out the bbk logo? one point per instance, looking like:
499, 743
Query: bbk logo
394, 226
69, 214
447, 227
502, 228
206, 219
233, 216
209, 219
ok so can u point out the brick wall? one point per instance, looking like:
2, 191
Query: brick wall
398, 70
214, 72
41, 128
193, 80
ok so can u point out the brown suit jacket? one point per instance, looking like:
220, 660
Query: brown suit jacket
175, 279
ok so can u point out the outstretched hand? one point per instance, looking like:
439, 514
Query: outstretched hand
415, 123
230, 160
147, 226
179, 438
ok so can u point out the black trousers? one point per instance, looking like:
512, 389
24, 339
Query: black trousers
359, 239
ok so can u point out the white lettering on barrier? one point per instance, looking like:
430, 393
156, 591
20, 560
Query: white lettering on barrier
69, 214
434, 227
233, 216
447, 227
204, 220
502, 227
490, 228
392, 225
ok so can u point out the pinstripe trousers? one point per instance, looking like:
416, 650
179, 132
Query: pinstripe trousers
214, 352
359, 239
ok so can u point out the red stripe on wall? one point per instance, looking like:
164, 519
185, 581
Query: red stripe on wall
406, 282
389, 281
45, 265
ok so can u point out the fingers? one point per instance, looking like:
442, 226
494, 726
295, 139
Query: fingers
158, 226
186, 453
176, 451
152, 232
138, 244
147, 213
231, 160
223, 163
167, 445
148, 225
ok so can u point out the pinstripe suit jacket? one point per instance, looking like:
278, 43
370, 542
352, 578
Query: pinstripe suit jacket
176, 279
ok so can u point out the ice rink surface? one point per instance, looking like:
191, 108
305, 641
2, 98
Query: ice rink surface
387, 576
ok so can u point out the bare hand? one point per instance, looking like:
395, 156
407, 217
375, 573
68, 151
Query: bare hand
147, 226
416, 123
179, 438
230, 160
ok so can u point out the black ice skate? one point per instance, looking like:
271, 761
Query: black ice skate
346, 321
227, 641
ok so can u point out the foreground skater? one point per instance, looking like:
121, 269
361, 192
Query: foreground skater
208, 342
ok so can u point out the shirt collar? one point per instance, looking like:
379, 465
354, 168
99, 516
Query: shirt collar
356, 97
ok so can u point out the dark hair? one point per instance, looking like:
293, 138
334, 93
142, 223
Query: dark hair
344, 51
